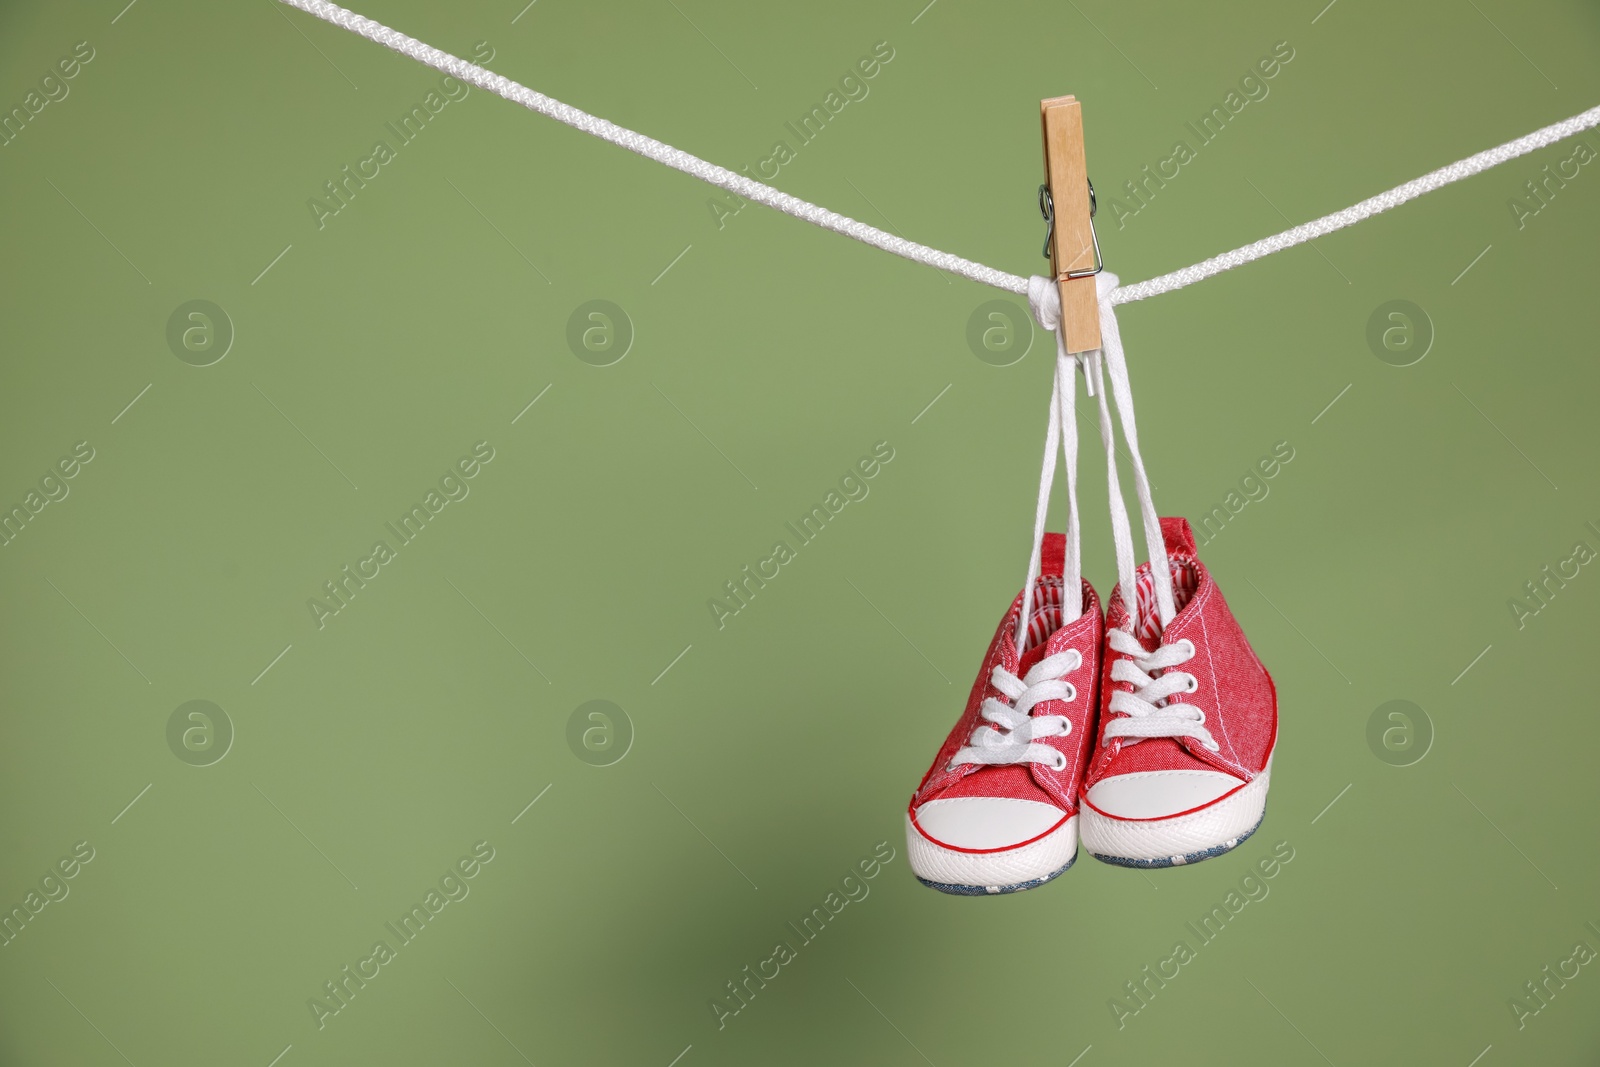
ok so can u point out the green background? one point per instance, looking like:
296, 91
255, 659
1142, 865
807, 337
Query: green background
766, 758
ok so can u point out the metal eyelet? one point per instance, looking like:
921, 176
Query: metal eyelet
1061, 762
1072, 692
1186, 643
1193, 686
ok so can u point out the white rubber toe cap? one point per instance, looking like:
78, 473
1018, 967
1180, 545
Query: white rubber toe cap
1169, 818
1159, 794
989, 844
985, 822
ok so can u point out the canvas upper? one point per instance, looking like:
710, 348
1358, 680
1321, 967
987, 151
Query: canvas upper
997, 828
1163, 778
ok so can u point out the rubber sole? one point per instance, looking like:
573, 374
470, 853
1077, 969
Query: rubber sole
1182, 839
982, 874
995, 890
1183, 860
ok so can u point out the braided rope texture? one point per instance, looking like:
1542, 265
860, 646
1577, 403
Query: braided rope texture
751, 189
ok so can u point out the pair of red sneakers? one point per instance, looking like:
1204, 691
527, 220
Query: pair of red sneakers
1154, 748
1147, 732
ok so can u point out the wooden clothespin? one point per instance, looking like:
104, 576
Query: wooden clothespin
1067, 201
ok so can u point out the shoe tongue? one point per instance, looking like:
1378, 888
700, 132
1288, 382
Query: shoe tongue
1033, 656
1178, 535
1053, 554
1117, 617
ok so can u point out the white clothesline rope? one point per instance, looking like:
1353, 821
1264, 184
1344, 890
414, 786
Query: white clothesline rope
750, 189
1369, 207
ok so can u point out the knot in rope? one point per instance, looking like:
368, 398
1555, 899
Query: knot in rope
1044, 298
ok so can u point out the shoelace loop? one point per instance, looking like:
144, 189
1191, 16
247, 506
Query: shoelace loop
1149, 709
1061, 437
1018, 742
1106, 362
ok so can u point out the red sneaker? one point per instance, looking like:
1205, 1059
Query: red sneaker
997, 811
1188, 721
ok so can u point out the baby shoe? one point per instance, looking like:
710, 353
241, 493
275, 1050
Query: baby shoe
1188, 721
1188, 715
998, 810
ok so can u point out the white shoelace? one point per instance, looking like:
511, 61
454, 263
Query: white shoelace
989, 745
1116, 366
1150, 709
1022, 730
1061, 435
1045, 300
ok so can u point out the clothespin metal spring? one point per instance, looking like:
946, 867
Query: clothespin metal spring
1047, 208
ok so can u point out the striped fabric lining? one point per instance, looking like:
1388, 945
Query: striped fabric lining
1047, 614
1185, 579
